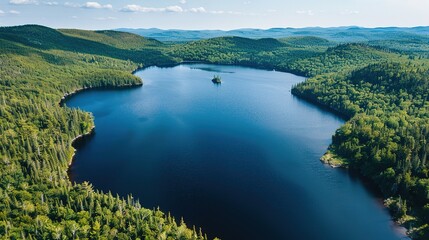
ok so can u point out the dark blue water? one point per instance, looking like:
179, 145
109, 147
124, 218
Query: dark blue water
240, 160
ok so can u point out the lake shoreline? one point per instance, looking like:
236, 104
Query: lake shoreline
78, 139
71, 94
331, 159
338, 113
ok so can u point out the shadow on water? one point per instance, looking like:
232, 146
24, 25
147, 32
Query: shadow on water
209, 69
78, 144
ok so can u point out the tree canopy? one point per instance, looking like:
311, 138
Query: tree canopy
381, 87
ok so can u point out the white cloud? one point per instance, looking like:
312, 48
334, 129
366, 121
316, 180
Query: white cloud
1, 12
137, 8
75, 17
178, 9
96, 5
182, 1
14, 12
88, 5
197, 10
307, 12
51, 3
174, 9
23, 2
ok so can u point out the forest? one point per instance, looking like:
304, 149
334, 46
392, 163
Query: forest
380, 87
37, 201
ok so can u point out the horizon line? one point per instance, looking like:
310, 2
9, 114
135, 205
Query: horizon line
231, 29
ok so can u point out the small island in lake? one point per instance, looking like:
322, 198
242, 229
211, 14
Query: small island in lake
216, 79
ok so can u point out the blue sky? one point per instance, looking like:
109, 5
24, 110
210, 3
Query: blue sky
213, 14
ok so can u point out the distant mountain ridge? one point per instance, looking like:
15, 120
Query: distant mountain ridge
338, 34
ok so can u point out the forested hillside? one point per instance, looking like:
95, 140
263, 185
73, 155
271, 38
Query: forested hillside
383, 92
387, 136
44, 38
337, 34
37, 201
381, 87
265, 53
120, 40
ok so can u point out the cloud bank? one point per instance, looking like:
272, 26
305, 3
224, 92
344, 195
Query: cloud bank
96, 5
138, 8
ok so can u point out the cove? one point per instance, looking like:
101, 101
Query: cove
240, 159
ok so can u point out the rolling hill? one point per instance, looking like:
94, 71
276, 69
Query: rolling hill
380, 85
337, 34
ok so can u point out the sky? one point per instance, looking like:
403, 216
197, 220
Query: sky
213, 14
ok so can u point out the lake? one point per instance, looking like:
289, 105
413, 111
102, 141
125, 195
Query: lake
239, 159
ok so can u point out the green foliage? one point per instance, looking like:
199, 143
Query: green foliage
307, 41
415, 47
335, 34
37, 201
380, 87
344, 57
44, 38
387, 136
116, 39
263, 53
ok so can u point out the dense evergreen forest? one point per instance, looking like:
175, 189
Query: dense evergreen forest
380, 87
38, 66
